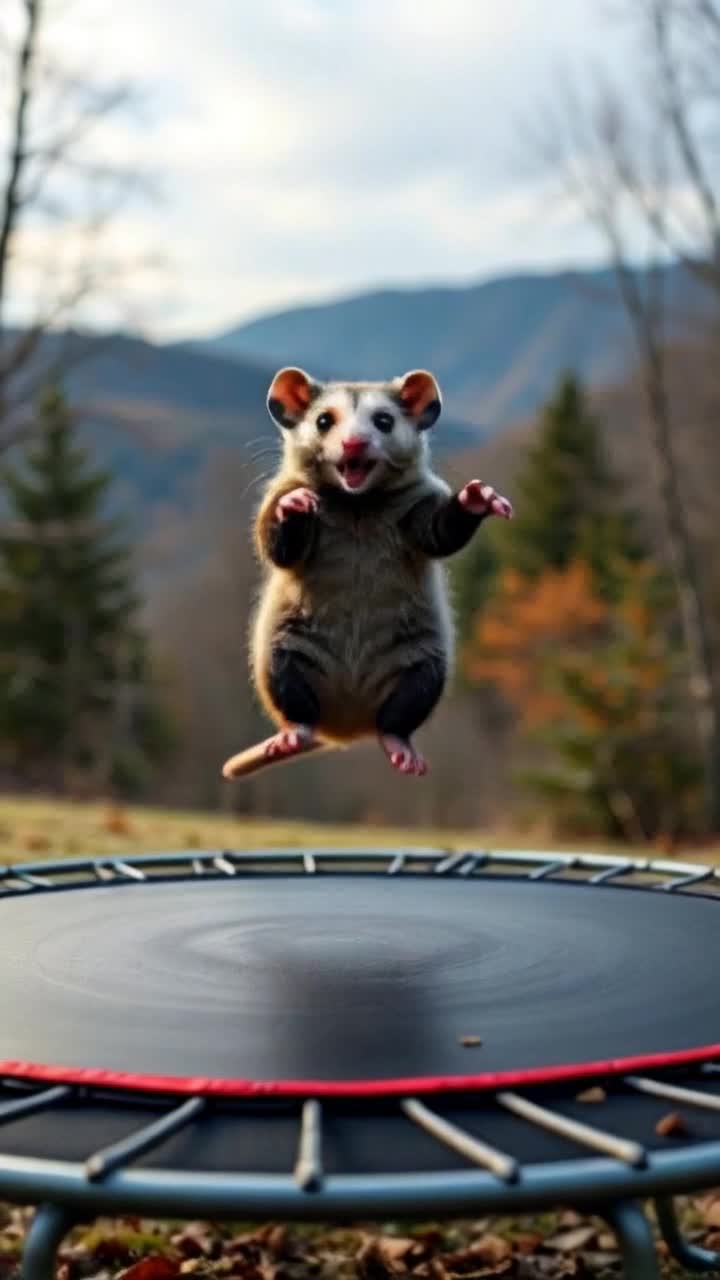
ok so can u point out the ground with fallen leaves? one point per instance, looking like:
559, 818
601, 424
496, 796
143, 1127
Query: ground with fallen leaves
552, 1246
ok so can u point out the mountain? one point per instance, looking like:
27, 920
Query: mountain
497, 347
156, 415
693, 389
159, 415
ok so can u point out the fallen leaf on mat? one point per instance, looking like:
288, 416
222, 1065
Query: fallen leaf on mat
671, 1126
596, 1094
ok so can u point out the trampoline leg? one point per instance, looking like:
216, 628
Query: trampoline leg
49, 1225
635, 1239
687, 1254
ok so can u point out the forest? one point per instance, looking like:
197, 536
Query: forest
569, 708
586, 695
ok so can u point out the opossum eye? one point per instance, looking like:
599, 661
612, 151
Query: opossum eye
383, 421
324, 421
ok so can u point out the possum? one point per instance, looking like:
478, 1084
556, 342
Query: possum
353, 635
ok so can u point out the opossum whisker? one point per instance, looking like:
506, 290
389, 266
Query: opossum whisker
264, 453
264, 439
258, 479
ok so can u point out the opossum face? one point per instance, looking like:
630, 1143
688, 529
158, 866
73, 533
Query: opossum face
356, 436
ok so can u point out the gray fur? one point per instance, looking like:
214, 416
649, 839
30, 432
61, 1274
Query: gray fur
371, 603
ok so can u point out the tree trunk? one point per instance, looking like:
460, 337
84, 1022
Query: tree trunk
11, 197
704, 690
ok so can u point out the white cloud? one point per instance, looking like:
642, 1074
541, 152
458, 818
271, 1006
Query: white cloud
310, 147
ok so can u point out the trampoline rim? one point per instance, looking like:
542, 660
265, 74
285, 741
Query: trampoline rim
168, 1192
108, 868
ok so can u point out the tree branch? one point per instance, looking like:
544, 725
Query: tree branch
604, 166
18, 154
678, 116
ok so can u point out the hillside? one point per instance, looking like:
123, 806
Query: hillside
156, 415
620, 407
153, 414
497, 347
161, 415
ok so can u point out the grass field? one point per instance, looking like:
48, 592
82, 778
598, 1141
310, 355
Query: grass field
39, 829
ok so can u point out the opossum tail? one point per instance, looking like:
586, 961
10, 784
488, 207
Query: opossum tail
287, 744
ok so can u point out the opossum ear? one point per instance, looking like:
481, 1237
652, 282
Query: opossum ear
420, 398
290, 395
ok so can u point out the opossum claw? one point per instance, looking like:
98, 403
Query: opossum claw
403, 756
298, 501
482, 499
289, 742
286, 744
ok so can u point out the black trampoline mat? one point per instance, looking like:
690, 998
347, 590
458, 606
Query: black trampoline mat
352, 978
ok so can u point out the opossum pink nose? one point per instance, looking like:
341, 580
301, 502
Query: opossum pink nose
354, 446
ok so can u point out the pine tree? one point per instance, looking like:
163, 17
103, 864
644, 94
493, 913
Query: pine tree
595, 686
567, 508
75, 689
577, 636
566, 497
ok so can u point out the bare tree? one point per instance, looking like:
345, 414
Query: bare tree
639, 160
55, 179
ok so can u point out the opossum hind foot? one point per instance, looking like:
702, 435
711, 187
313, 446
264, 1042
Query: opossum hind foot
290, 742
403, 756
286, 744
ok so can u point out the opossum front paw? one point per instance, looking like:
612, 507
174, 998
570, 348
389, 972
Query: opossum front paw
298, 502
482, 500
403, 756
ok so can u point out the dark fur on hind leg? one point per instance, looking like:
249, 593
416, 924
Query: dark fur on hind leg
414, 697
291, 690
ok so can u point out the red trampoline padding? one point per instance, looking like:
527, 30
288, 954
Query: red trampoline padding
205, 1086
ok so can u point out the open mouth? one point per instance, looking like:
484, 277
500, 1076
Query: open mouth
355, 471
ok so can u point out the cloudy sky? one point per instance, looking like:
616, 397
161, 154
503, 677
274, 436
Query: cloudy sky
309, 148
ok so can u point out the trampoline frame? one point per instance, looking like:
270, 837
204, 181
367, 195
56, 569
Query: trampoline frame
611, 1182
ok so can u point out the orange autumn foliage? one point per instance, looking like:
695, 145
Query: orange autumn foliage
557, 623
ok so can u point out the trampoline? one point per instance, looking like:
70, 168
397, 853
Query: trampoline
346, 1034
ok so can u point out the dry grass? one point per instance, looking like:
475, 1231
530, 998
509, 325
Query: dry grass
39, 829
